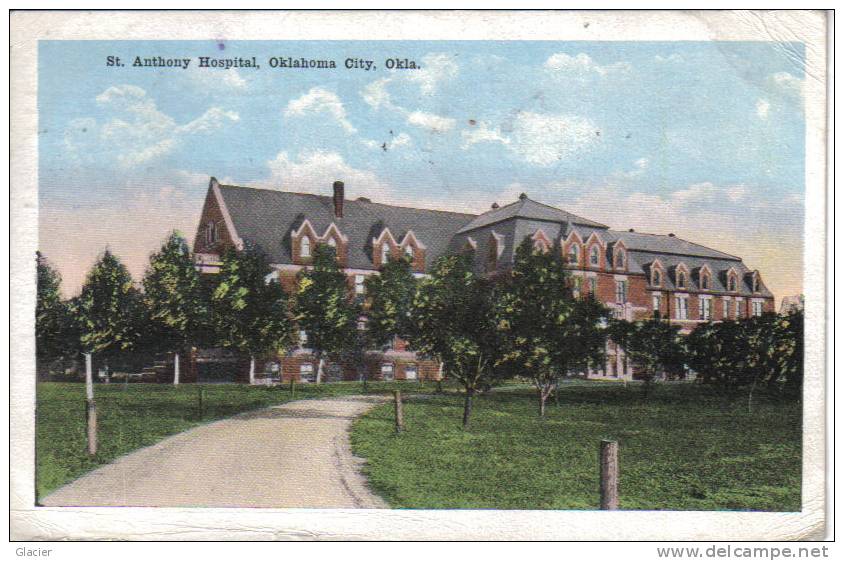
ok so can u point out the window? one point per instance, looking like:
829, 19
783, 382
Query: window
619, 259
657, 302
755, 283
387, 371
704, 281
593, 285
210, 233
726, 308
360, 287
574, 254
739, 308
656, 278
332, 242
681, 279
756, 308
306, 372
682, 307
410, 372
361, 325
305, 247
577, 286
731, 283
303, 337
385, 253
621, 291
595, 256
705, 309
408, 250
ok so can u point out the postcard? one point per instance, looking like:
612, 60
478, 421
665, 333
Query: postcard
418, 275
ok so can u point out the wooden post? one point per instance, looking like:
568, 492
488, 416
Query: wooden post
399, 413
91, 416
609, 475
201, 395
89, 378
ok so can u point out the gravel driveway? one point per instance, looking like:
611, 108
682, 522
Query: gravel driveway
295, 455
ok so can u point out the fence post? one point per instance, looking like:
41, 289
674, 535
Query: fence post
609, 475
399, 413
91, 421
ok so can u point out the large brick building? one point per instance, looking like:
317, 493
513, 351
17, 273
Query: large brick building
634, 274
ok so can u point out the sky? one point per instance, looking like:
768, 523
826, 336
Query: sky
701, 139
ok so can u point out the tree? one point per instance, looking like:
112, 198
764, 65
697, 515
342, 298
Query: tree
619, 332
250, 314
55, 333
390, 299
109, 309
548, 331
454, 320
175, 298
323, 308
655, 348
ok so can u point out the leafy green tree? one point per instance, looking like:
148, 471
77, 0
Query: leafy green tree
389, 302
454, 320
175, 298
323, 308
109, 310
655, 348
789, 352
56, 336
250, 314
548, 332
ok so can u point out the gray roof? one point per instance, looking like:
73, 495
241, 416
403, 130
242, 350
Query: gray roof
656, 243
529, 209
265, 217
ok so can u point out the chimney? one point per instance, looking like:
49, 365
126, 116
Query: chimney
671, 235
631, 230
494, 206
338, 199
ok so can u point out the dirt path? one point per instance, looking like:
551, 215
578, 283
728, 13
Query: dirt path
295, 455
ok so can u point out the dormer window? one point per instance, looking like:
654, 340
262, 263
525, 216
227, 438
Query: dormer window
574, 254
619, 258
210, 233
385, 253
755, 283
681, 279
656, 278
408, 251
332, 242
704, 281
305, 247
595, 256
731, 283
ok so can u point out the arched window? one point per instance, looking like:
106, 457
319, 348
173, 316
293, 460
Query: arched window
595, 256
619, 259
755, 283
385, 252
704, 281
408, 250
681, 279
731, 283
332, 242
305, 247
656, 278
574, 254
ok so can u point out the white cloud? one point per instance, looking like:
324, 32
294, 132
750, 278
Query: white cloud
376, 95
544, 139
762, 108
436, 69
787, 83
483, 133
581, 65
139, 132
430, 121
319, 100
314, 172
213, 80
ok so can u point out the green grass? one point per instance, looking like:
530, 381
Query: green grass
138, 415
684, 448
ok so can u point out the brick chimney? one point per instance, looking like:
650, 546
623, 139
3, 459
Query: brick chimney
339, 195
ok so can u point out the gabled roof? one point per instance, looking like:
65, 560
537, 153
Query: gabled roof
265, 217
529, 209
671, 245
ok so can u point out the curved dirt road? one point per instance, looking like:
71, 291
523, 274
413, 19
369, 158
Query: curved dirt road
295, 455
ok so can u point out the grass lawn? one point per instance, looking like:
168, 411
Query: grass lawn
684, 448
138, 415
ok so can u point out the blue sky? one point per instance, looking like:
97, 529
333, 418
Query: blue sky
702, 139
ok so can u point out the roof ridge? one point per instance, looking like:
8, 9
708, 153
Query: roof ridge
370, 202
567, 212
